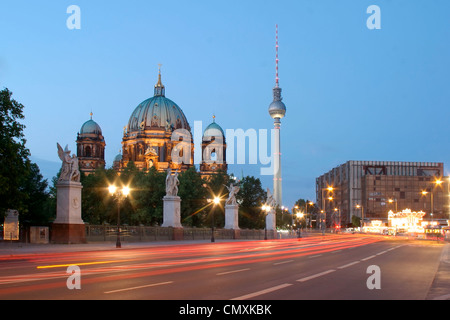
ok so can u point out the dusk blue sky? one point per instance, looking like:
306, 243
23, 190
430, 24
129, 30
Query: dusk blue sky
351, 93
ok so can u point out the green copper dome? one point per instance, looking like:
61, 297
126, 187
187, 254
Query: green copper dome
213, 130
90, 127
157, 112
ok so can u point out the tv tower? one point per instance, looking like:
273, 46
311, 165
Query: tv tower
277, 110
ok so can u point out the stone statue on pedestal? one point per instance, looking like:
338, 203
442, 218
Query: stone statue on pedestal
172, 183
68, 227
70, 169
171, 209
232, 192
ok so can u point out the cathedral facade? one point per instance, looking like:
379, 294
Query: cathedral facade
157, 135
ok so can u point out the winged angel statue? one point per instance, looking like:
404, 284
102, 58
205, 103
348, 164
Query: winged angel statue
69, 170
232, 192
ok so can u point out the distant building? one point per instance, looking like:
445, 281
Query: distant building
90, 147
370, 189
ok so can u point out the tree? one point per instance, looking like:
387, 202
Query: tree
284, 218
194, 198
35, 211
147, 191
215, 187
307, 208
14, 163
356, 221
97, 204
251, 198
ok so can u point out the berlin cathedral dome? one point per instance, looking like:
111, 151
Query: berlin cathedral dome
157, 112
148, 137
157, 135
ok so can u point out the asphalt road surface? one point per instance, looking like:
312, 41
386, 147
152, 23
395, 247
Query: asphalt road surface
330, 267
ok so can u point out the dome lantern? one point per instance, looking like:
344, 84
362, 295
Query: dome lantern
159, 87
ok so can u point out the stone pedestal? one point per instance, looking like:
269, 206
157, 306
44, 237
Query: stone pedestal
271, 221
68, 226
231, 216
177, 234
171, 213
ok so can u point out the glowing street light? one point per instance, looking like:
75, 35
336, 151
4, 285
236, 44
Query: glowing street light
112, 189
323, 220
215, 201
362, 215
396, 203
437, 182
267, 209
120, 194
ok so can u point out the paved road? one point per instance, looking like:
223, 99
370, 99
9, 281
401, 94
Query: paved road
314, 267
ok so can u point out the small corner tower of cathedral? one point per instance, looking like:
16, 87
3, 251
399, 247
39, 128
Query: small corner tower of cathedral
214, 149
90, 147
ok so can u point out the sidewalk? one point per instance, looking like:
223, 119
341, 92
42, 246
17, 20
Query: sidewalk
13, 249
440, 288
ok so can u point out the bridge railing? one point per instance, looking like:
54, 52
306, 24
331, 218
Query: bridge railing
98, 233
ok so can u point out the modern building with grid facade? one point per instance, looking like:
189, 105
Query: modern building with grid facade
370, 189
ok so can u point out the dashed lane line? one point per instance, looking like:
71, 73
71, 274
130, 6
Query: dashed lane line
139, 287
233, 271
316, 275
261, 292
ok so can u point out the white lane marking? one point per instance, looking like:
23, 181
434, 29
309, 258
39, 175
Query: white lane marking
367, 258
317, 255
140, 287
261, 292
348, 264
233, 271
316, 275
282, 262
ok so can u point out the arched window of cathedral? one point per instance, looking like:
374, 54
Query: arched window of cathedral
155, 121
87, 151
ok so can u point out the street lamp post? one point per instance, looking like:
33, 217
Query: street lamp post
216, 200
362, 215
432, 202
299, 230
292, 216
437, 182
339, 218
266, 209
396, 203
323, 222
120, 194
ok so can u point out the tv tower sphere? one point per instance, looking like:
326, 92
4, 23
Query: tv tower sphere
277, 109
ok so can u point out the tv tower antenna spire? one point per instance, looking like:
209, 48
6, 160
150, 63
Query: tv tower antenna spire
276, 58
